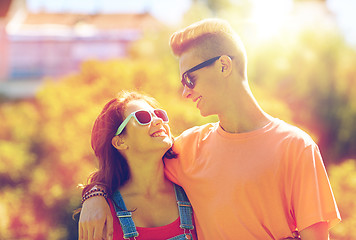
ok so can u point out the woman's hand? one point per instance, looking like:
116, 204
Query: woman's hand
94, 217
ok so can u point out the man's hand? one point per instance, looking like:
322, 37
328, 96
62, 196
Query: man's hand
318, 231
94, 215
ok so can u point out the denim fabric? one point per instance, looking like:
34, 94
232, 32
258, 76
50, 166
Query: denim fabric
125, 217
186, 236
184, 207
185, 213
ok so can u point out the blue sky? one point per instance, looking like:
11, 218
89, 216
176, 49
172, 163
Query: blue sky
171, 11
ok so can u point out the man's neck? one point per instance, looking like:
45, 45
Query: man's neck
243, 114
244, 126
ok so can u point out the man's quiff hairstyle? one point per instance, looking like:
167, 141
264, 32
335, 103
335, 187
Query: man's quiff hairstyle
210, 38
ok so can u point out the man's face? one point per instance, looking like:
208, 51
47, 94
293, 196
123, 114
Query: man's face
205, 80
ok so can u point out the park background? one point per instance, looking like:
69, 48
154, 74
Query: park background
302, 69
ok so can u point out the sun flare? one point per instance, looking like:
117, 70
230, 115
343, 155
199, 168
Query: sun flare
270, 16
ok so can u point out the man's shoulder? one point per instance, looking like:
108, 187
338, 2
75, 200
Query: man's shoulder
198, 130
293, 133
191, 138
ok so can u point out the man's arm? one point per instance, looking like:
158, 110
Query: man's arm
94, 215
318, 231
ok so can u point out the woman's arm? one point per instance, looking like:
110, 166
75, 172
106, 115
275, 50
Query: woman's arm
94, 215
318, 231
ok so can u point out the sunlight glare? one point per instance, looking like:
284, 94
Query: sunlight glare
270, 16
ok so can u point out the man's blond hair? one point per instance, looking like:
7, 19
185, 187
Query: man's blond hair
210, 38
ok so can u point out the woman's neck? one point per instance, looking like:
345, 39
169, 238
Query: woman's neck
147, 176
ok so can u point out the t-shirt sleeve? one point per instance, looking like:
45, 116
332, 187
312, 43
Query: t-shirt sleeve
170, 170
312, 197
185, 146
173, 166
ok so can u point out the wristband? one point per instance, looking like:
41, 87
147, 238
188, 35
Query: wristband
93, 190
86, 197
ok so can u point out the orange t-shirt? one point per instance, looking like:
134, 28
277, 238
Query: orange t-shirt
262, 184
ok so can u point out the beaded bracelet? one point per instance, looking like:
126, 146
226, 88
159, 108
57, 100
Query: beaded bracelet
93, 190
92, 193
86, 197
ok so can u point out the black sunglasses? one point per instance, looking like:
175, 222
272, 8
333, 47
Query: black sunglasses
186, 79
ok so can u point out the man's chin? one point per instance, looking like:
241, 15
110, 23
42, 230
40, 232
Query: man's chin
204, 114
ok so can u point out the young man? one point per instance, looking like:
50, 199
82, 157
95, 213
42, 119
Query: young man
248, 176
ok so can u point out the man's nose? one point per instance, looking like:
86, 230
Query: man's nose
187, 92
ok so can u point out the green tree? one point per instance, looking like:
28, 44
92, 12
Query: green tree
314, 78
343, 181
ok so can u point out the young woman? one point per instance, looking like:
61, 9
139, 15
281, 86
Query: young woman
130, 137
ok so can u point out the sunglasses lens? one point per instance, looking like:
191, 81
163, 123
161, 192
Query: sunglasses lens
186, 81
143, 117
161, 114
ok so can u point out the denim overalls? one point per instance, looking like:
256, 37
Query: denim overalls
129, 228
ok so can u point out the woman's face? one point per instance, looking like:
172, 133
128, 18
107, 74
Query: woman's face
155, 136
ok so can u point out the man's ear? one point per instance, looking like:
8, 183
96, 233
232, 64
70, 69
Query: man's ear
226, 65
119, 143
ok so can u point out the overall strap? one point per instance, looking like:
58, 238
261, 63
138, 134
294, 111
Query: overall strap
125, 217
185, 208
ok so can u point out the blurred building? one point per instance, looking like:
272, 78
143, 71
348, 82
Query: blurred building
36, 45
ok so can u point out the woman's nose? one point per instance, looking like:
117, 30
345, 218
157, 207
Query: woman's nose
156, 120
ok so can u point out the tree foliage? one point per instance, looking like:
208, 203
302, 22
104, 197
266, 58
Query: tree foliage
316, 79
45, 150
343, 181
